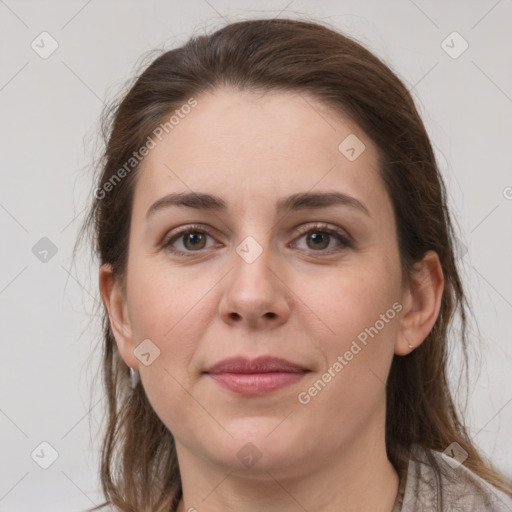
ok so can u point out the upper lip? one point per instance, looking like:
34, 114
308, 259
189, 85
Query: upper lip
262, 364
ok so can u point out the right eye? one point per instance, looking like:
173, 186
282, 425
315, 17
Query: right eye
193, 239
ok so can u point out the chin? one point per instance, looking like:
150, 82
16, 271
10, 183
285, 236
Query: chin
261, 444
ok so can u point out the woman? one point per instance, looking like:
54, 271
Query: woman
278, 276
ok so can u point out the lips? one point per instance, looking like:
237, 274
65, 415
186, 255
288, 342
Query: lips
255, 376
263, 364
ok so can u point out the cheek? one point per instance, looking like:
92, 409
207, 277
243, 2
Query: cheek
352, 300
163, 302
174, 312
360, 309
170, 310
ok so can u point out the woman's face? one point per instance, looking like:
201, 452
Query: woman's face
256, 279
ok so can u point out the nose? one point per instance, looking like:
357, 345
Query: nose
255, 293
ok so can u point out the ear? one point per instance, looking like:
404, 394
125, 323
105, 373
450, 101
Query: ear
113, 296
421, 301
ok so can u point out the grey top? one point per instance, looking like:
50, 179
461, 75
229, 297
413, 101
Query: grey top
457, 489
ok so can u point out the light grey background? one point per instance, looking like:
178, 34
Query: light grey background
49, 120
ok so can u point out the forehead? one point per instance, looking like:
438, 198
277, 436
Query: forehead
270, 145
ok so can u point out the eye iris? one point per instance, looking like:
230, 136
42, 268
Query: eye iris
315, 237
194, 237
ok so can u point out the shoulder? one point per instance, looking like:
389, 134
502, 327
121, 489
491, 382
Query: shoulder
453, 488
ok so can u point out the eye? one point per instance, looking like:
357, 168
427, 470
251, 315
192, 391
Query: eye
192, 238
319, 237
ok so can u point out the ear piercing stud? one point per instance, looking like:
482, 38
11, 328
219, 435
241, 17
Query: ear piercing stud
134, 378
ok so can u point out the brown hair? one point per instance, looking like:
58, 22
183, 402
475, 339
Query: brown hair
139, 468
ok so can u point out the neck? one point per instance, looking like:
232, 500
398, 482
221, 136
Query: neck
357, 477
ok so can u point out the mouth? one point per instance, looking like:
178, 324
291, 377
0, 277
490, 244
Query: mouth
255, 377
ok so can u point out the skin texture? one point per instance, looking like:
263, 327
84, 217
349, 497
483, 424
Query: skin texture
302, 299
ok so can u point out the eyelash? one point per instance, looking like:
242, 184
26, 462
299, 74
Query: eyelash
319, 227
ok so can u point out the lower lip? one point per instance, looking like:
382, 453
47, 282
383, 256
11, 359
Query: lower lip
255, 383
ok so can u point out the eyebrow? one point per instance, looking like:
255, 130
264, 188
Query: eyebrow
295, 202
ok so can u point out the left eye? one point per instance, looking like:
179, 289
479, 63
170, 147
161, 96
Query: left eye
318, 239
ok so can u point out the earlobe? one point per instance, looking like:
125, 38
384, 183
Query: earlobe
422, 303
114, 300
